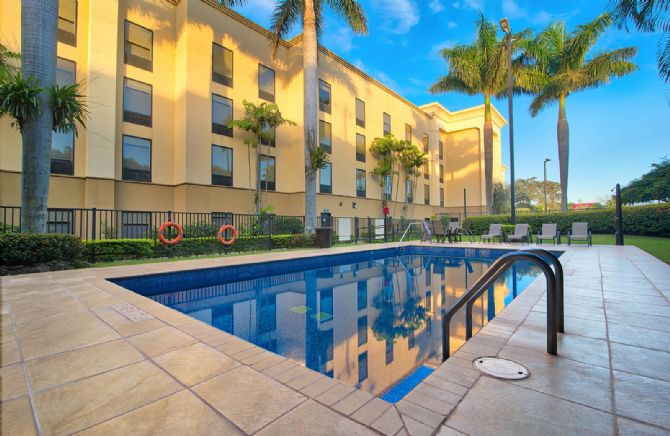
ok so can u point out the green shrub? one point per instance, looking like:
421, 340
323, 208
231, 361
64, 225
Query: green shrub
117, 249
26, 249
652, 220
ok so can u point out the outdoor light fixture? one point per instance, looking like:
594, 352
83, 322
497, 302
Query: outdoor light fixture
505, 26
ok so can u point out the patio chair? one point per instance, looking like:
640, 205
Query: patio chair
549, 233
495, 231
580, 232
427, 234
455, 231
439, 231
521, 234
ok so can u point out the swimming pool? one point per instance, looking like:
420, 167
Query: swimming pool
367, 318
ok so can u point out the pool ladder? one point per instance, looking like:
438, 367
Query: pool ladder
555, 318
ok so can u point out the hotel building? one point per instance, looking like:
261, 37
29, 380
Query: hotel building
162, 79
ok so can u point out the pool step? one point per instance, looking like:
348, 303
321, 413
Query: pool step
405, 386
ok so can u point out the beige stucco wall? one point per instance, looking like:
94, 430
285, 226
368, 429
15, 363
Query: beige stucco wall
181, 119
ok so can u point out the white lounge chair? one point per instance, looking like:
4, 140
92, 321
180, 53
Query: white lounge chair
495, 231
580, 232
521, 234
455, 231
549, 233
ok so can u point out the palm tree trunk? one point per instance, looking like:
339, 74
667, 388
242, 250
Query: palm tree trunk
310, 77
39, 21
488, 153
563, 134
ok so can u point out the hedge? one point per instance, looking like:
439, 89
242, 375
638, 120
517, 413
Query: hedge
117, 249
652, 220
27, 249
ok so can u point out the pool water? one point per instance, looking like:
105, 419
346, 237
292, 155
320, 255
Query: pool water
367, 318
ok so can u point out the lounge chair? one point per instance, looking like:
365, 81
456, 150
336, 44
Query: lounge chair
549, 233
439, 231
580, 232
495, 231
455, 231
521, 234
427, 234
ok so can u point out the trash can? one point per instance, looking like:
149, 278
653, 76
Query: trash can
324, 237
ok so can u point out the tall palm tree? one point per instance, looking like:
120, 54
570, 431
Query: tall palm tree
479, 68
647, 16
561, 68
286, 14
39, 20
8, 62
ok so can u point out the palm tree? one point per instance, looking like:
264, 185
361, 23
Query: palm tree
479, 68
7, 64
647, 16
561, 68
286, 14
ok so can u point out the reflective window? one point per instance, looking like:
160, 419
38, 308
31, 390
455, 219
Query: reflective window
360, 148
136, 102
325, 136
222, 166
222, 65
387, 124
360, 113
326, 179
67, 22
135, 224
426, 194
442, 197
441, 173
136, 159
266, 83
138, 46
388, 187
268, 172
324, 96
62, 143
408, 133
222, 113
409, 190
362, 366
360, 183
65, 72
440, 146
425, 142
362, 330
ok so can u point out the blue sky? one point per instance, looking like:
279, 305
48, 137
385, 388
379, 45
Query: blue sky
616, 131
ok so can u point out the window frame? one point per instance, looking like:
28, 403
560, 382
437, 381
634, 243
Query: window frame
408, 132
132, 59
267, 184
409, 193
132, 233
361, 157
262, 93
384, 131
440, 145
441, 173
125, 171
64, 36
441, 197
361, 193
222, 129
323, 188
328, 148
425, 141
426, 194
327, 108
136, 117
360, 122
220, 78
54, 224
218, 179
62, 166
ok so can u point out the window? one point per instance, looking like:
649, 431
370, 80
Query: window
441, 174
409, 190
360, 113
362, 297
222, 65
136, 159
325, 136
222, 166
326, 179
360, 183
426, 194
136, 102
442, 197
266, 83
360, 148
135, 224
429, 301
426, 171
268, 172
410, 340
67, 22
62, 143
440, 146
269, 136
222, 113
325, 305
389, 351
60, 221
425, 142
362, 330
387, 124
139, 46
408, 133
388, 188
362, 366
324, 96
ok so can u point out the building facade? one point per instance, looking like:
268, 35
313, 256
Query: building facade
162, 79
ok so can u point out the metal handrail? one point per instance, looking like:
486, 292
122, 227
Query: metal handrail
558, 272
498, 267
406, 230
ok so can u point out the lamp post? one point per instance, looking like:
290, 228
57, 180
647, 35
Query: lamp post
545, 183
504, 25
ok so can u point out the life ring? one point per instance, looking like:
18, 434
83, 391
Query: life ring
227, 242
174, 241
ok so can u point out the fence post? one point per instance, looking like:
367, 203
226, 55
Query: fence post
369, 229
94, 222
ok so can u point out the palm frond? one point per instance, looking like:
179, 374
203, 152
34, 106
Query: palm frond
584, 37
613, 63
663, 57
541, 101
69, 108
450, 83
352, 12
284, 16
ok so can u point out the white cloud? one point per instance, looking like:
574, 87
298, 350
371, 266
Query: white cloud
339, 39
452, 25
399, 15
435, 49
469, 4
436, 6
542, 17
511, 9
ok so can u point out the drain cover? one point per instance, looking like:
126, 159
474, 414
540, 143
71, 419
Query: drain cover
501, 368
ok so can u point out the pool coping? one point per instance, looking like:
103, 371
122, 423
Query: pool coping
424, 411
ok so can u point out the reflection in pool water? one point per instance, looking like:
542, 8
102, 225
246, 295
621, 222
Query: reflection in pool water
368, 323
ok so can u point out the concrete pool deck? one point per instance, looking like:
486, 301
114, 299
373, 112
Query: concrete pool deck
83, 355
